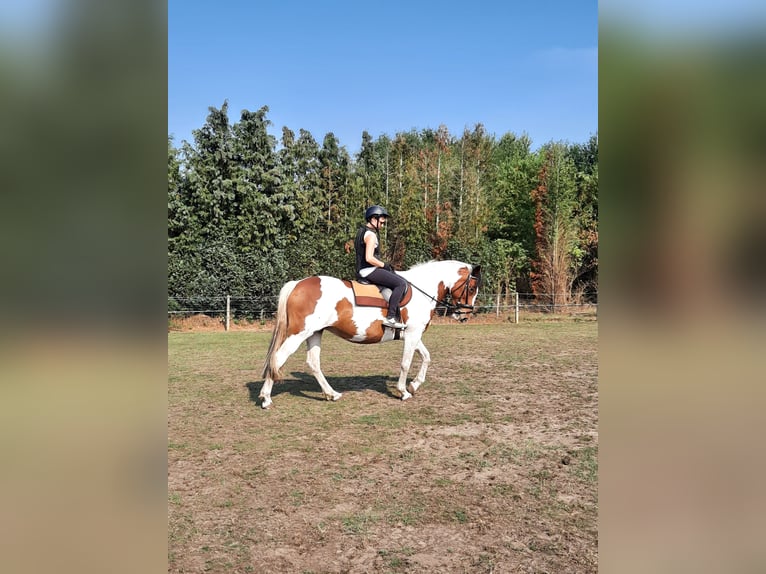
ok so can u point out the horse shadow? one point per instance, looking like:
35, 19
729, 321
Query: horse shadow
304, 385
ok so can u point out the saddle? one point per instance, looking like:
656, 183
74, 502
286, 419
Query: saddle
370, 295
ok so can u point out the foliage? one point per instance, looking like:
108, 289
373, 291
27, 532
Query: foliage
245, 215
557, 250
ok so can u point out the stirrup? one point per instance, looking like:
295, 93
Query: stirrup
389, 322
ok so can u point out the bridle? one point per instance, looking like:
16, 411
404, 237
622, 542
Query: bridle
457, 304
462, 306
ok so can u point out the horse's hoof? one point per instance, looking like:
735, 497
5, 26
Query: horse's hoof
412, 387
406, 395
334, 396
266, 404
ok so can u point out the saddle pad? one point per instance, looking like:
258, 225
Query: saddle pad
368, 295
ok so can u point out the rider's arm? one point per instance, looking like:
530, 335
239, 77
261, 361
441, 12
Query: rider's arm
369, 250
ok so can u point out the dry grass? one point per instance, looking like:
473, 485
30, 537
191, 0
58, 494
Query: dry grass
492, 467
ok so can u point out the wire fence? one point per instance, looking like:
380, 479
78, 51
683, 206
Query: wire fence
231, 308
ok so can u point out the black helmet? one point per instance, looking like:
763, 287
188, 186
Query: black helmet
374, 210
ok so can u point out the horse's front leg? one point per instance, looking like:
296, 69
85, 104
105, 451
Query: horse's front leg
421, 378
409, 351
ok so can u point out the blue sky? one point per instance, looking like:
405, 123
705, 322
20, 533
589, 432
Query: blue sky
345, 66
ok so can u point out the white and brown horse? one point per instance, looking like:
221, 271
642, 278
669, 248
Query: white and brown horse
310, 306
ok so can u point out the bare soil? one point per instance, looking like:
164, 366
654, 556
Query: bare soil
491, 467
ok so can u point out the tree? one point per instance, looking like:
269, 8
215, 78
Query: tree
442, 216
211, 164
585, 158
341, 210
555, 228
503, 262
475, 163
512, 215
178, 211
261, 215
243, 217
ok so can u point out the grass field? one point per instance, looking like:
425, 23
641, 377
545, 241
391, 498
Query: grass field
491, 467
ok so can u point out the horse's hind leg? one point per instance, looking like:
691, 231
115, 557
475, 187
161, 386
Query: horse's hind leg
287, 348
314, 349
265, 393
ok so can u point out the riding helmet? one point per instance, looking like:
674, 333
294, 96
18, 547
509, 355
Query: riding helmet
375, 210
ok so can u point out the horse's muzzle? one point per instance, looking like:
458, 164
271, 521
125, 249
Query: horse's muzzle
462, 312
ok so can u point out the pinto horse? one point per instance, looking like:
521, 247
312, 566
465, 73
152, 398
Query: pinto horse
316, 304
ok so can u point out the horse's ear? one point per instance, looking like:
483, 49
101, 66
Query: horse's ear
476, 270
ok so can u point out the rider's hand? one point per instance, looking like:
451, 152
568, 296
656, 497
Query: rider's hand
387, 267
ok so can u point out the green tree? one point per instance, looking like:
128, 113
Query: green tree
181, 226
442, 210
341, 208
263, 210
178, 211
211, 164
243, 217
503, 261
556, 227
585, 158
512, 179
475, 153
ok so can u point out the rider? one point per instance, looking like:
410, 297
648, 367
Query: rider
369, 266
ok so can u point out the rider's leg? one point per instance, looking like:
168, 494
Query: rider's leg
396, 283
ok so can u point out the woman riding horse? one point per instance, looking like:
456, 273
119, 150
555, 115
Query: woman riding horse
371, 268
309, 307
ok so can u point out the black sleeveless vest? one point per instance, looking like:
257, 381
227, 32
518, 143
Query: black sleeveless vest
359, 246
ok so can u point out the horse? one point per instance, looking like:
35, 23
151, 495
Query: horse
319, 303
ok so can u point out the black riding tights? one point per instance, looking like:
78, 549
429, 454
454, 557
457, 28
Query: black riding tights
396, 283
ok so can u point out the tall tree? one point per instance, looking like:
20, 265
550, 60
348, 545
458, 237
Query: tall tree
341, 212
244, 217
302, 172
263, 208
366, 163
442, 216
475, 163
405, 200
555, 228
513, 178
211, 164
585, 158
178, 211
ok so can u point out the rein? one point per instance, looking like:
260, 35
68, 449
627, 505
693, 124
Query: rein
457, 308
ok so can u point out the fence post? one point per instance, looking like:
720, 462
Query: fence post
516, 312
497, 305
228, 311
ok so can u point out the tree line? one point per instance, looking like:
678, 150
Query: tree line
247, 213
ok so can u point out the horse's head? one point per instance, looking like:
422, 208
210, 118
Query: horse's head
464, 292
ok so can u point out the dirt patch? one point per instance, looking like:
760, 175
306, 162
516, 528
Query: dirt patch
491, 467
202, 323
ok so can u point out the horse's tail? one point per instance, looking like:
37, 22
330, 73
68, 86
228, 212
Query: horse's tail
271, 368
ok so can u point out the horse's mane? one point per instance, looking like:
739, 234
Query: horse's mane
419, 266
417, 271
